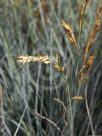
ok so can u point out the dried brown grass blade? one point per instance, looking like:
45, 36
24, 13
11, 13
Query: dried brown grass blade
69, 33
47, 119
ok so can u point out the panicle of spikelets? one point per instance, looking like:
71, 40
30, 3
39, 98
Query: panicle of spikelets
93, 34
78, 98
58, 68
39, 58
57, 64
98, 19
88, 59
82, 76
84, 71
82, 9
69, 33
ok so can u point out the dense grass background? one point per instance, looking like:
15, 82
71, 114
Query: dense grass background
27, 104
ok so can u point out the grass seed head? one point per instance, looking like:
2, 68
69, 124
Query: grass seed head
69, 33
